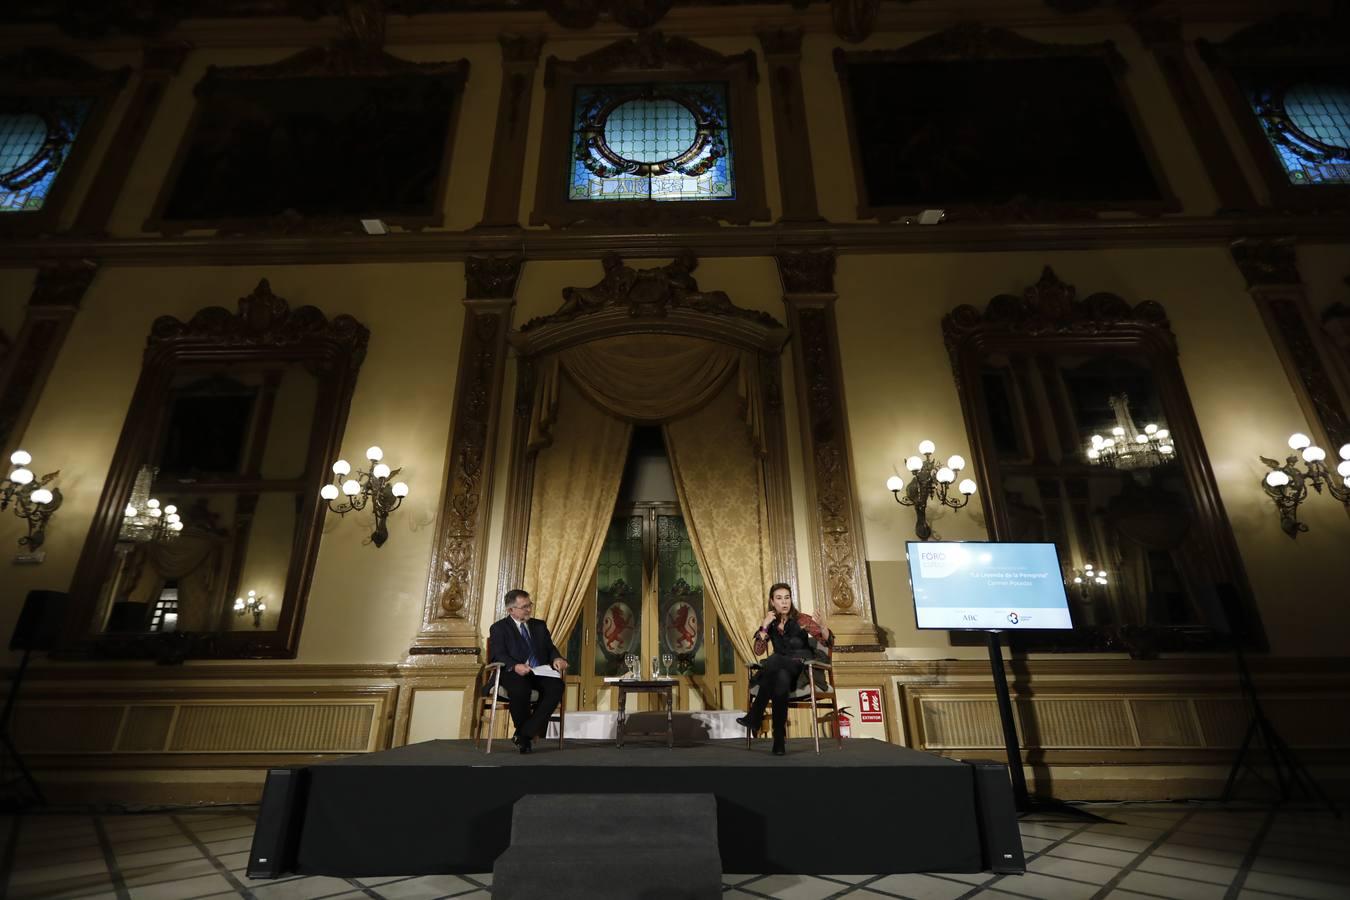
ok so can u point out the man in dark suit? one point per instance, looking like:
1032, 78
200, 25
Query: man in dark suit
521, 643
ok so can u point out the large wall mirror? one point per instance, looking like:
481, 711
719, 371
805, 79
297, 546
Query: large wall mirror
206, 533
1084, 436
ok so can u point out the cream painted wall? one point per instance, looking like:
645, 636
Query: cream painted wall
900, 390
365, 603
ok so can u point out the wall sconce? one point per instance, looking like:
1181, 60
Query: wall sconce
931, 482
144, 520
1128, 447
1091, 584
1288, 487
371, 487
253, 604
33, 500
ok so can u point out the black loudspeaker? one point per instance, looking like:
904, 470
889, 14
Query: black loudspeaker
996, 812
277, 835
39, 621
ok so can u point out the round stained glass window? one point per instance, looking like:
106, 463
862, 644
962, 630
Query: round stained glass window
21, 137
1320, 111
650, 130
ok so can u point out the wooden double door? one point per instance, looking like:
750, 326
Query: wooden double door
648, 599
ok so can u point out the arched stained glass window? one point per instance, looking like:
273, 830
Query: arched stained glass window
651, 142
35, 140
1307, 122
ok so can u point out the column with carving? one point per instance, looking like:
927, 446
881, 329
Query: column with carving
1271, 270
159, 63
520, 61
56, 297
455, 584
796, 178
836, 527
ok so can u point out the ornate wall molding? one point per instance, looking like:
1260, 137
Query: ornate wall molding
24, 367
458, 564
1270, 268
520, 60
841, 585
792, 139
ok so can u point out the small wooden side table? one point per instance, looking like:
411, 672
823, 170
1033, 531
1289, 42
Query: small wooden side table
657, 686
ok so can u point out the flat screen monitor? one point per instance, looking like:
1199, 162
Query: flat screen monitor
986, 586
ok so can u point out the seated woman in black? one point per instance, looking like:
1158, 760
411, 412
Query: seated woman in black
795, 637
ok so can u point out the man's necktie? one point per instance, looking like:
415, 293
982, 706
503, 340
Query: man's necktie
529, 644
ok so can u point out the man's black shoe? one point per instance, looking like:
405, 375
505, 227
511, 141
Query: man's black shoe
744, 722
525, 746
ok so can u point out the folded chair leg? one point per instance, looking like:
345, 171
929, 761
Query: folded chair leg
815, 722
492, 724
562, 717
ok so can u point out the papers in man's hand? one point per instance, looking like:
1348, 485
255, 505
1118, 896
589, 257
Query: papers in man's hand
547, 671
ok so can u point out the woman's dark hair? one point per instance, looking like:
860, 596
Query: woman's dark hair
792, 610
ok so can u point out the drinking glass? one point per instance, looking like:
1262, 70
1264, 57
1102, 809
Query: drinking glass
667, 660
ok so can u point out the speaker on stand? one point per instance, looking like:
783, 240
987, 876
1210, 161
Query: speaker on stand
36, 629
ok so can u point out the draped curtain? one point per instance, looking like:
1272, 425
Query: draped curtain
709, 397
193, 559
719, 479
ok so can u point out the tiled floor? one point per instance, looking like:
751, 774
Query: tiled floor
1182, 851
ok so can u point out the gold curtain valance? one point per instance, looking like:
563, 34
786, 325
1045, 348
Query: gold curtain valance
648, 378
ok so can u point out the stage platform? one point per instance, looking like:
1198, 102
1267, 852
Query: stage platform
445, 807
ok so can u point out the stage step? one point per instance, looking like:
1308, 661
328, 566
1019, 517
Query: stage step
653, 846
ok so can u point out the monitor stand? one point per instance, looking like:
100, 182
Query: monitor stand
1026, 803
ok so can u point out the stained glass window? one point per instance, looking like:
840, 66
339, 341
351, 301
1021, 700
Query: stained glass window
1306, 118
651, 142
35, 140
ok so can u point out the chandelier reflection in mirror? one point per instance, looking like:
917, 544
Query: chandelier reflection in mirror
34, 500
252, 603
930, 484
1127, 447
1287, 486
145, 519
664, 141
371, 487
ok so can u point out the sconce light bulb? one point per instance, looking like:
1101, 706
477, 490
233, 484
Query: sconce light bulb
1141, 439
1094, 453
1097, 440
152, 503
238, 603
329, 492
171, 518
262, 607
21, 476
914, 464
170, 509
129, 511
927, 447
895, 483
42, 495
253, 593
1277, 479
1314, 454
946, 475
966, 487
1344, 452
1101, 581
956, 463
21, 457
1150, 428
1162, 434
341, 467
1089, 567
380, 471
176, 526
1298, 440
351, 487
1118, 431
1342, 470
374, 454
154, 512
1108, 443
1165, 449
399, 489
1077, 580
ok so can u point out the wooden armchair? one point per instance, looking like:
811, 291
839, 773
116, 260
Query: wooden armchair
488, 694
823, 703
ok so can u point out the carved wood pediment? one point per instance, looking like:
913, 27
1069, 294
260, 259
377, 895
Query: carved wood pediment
659, 299
651, 51
262, 320
1051, 307
337, 60
972, 41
